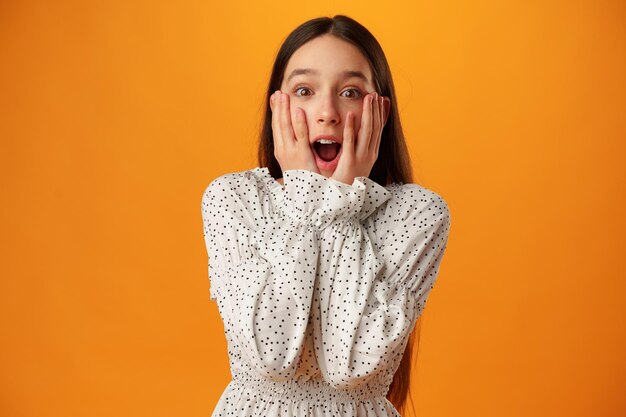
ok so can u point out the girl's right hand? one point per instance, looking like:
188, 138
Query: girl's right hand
292, 149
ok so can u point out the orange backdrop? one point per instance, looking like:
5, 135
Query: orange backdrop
116, 115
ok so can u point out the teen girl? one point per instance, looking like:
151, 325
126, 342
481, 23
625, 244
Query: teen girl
321, 259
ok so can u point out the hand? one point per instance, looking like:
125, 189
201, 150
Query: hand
357, 159
292, 149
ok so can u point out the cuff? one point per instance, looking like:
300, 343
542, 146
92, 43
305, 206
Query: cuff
314, 199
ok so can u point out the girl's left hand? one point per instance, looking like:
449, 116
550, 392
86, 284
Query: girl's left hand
357, 159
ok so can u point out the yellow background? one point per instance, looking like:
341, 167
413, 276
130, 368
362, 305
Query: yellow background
116, 115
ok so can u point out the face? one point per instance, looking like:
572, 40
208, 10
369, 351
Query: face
327, 77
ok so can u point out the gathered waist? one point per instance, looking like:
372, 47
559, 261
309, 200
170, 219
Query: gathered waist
313, 391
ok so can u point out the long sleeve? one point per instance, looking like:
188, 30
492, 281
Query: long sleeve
413, 237
262, 271
262, 263
376, 284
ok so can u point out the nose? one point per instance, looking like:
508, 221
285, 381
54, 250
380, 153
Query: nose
327, 112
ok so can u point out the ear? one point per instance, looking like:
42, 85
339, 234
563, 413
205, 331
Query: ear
386, 109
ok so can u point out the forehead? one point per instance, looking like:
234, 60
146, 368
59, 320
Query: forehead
328, 56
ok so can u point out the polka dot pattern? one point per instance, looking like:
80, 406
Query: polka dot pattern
319, 284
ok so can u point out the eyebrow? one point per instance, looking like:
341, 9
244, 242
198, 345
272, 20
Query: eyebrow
309, 71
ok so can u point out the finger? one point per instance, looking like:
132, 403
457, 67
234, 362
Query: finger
278, 141
348, 136
365, 130
274, 101
375, 123
386, 110
286, 129
381, 111
384, 102
381, 123
300, 128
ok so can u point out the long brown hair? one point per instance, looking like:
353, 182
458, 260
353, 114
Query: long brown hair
393, 163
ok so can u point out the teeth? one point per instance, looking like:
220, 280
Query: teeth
326, 141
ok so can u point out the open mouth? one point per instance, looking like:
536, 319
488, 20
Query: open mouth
326, 149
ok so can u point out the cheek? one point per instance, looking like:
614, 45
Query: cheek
357, 110
293, 105
357, 120
308, 112
293, 116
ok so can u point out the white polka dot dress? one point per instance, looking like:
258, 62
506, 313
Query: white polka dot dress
319, 285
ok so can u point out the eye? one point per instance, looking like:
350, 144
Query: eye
299, 89
355, 93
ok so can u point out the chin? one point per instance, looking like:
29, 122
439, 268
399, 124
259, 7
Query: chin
326, 173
